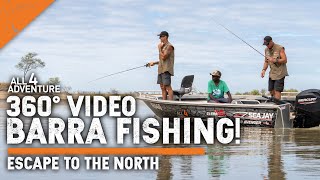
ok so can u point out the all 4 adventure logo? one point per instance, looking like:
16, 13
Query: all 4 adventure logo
65, 141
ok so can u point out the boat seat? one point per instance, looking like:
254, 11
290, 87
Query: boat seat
186, 86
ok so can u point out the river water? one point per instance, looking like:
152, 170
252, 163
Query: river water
264, 153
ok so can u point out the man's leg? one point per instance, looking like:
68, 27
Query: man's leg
170, 92
222, 100
166, 80
277, 95
162, 87
213, 100
271, 86
272, 93
278, 88
163, 92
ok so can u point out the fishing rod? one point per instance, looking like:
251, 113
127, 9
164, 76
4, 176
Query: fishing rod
239, 38
146, 65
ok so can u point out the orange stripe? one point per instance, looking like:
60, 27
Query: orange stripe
16, 15
108, 151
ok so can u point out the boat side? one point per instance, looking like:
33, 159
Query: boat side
262, 115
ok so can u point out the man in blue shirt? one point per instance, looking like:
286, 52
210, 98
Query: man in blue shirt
217, 88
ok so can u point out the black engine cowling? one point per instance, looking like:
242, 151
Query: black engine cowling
307, 108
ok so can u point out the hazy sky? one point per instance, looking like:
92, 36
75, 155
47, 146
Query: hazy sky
83, 40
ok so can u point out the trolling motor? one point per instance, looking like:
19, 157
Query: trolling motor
307, 108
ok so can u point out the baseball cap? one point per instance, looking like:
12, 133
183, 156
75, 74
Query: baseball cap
267, 39
216, 73
164, 33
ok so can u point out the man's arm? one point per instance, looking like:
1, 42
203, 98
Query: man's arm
265, 67
160, 46
211, 96
226, 89
152, 63
281, 60
164, 55
160, 53
283, 57
229, 97
210, 91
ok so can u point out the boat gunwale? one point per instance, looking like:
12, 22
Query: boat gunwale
169, 102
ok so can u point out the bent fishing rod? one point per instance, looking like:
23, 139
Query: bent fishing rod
146, 65
239, 38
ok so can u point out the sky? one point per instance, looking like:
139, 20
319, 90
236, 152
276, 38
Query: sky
83, 40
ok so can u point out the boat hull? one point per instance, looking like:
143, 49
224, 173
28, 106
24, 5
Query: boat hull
274, 116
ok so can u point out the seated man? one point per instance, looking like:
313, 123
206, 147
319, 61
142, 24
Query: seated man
217, 88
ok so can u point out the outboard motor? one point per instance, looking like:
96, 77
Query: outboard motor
307, 108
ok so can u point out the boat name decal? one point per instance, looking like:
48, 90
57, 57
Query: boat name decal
260, 116
253, 115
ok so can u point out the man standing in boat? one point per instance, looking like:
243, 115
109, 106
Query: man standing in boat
217, 88
165, 65
275, 58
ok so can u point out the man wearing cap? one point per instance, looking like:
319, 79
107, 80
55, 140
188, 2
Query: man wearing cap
276, 58
165, 65
217, 88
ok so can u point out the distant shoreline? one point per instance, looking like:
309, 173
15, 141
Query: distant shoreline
63, 95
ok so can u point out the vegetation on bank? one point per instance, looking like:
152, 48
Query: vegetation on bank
263, 92
30, 62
